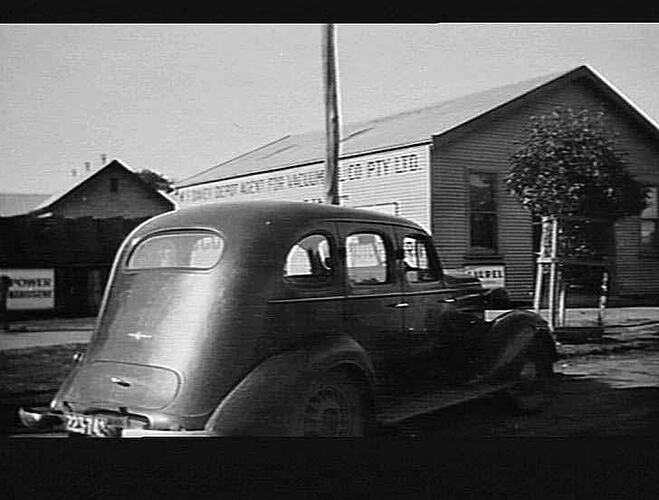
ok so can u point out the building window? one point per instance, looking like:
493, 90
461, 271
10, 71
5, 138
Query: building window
650, 225
483, 211
114, 184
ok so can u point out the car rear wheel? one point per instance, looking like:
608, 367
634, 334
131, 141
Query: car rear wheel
335, 407
534, 387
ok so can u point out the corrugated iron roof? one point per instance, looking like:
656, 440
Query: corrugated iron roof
402, 129
19, 203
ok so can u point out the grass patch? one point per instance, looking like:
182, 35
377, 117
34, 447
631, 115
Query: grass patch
36, 369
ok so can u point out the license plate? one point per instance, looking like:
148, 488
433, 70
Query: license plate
91, 425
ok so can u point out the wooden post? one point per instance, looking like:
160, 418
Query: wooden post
331, 117
562, 291
602, 301
542, 255
537, 297
552, 274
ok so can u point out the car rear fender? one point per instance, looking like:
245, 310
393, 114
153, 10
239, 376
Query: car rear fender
508, 339
267, 401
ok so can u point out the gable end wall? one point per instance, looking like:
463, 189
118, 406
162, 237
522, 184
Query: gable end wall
487, 145
95, 199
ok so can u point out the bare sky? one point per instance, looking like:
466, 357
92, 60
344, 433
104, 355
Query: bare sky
182, 98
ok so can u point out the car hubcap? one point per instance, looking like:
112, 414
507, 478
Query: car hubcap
529, 372
327, 414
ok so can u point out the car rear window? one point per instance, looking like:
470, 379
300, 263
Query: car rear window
191, 250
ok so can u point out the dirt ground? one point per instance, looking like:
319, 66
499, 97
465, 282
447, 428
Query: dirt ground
600, 396
606, 395
30, 377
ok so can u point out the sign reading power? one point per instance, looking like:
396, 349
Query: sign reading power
30, 288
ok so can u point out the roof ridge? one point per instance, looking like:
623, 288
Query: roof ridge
364, 122
449, 113
553, 76
58, 195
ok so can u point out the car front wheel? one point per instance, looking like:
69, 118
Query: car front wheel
334, 407
533, 389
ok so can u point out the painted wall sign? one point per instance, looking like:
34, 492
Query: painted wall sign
491, 276
397, 180
31, 288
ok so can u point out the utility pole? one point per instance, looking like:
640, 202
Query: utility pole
331, 117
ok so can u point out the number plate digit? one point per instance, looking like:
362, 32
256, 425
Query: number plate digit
88, 425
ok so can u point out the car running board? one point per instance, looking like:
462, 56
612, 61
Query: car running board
392, 410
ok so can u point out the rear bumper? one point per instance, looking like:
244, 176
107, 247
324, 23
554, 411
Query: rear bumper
148, 433
41, 418
47, 419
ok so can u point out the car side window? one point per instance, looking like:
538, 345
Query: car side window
419, 268
309, 261
366, 259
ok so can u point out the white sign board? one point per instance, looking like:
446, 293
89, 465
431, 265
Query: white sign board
31, 288
384, 208
395, 182
491, 276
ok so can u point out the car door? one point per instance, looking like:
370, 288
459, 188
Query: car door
311, 296
373, 309
429, 304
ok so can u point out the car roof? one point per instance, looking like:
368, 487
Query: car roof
242, 214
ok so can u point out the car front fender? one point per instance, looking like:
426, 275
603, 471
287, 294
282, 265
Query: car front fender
267, 402
510, 336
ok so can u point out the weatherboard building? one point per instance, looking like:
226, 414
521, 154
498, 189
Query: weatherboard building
58, 249
444, 165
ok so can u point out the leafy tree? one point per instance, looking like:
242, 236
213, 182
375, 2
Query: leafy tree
156, 180
568, 167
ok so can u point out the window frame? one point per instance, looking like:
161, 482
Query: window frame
494, 250
431, 256
389, 255
330, 280
173, 232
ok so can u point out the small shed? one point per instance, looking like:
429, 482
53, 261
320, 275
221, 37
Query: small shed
114, 190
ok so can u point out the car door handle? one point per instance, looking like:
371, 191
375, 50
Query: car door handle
450, 300
400, 304
120, 381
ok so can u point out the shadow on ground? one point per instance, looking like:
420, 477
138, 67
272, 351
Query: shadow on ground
581, 407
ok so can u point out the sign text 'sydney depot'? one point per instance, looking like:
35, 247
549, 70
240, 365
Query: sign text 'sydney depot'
297, 178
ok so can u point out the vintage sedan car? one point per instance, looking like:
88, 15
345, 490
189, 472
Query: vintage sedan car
289, 319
